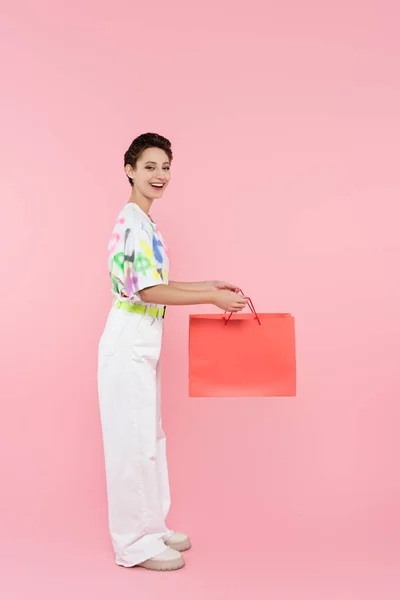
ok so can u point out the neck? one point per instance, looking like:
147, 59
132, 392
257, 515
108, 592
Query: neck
143, 202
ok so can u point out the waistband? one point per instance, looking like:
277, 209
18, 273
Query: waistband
141, 309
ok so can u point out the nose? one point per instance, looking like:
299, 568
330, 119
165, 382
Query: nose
161, 178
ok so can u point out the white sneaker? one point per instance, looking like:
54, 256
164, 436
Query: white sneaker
168, 560
178, 541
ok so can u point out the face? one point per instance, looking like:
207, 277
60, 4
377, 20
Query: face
151, 174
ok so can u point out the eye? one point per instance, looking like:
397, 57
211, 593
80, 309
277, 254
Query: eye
149, 167
167, 168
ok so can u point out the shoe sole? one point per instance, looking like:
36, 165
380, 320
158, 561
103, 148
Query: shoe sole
182, 547
162, 565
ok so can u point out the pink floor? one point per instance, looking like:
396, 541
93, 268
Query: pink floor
223, 563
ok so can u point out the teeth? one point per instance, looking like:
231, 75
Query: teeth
157, 185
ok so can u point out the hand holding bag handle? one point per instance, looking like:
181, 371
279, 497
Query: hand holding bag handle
251, 306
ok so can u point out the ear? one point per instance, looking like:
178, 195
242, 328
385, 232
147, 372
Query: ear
129, 170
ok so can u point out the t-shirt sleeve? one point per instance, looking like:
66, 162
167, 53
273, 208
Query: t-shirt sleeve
139, 267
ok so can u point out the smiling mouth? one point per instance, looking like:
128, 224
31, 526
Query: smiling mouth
157, 186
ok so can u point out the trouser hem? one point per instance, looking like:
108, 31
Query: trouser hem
136, 558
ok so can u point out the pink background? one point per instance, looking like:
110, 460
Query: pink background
285, 123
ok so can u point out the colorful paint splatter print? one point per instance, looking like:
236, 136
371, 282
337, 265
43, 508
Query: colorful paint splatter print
137, 255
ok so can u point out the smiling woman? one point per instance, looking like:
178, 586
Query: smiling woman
129, 366
148, 161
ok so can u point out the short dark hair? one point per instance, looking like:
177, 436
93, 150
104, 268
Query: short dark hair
142, 143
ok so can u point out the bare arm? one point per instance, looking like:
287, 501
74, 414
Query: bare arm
174, 296
194, 286
203, 286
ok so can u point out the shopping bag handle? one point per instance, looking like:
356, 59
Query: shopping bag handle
251, 306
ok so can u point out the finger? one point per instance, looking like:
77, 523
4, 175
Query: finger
240, 302
239, 306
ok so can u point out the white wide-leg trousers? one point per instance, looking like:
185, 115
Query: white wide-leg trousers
133, 437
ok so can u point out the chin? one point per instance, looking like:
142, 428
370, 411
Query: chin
155, 195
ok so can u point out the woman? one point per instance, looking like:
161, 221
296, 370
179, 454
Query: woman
129, 366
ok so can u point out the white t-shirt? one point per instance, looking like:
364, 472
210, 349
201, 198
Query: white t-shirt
137, 255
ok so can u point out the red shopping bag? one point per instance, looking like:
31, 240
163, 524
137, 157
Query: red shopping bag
242, 355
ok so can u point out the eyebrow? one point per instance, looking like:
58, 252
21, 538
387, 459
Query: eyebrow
151, 162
